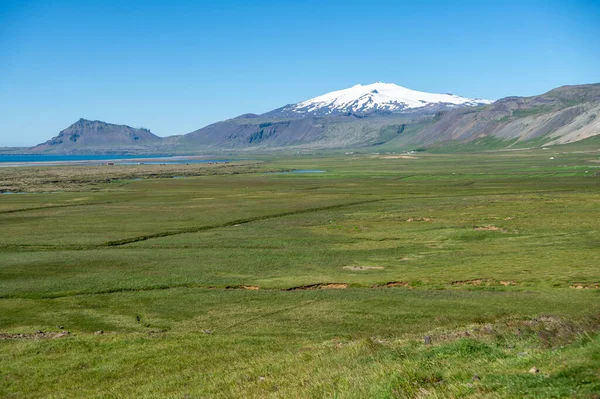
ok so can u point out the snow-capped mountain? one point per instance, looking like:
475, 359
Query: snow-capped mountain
380, 97
563, 115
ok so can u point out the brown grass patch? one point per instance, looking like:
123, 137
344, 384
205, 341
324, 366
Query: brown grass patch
95, 177
550, 331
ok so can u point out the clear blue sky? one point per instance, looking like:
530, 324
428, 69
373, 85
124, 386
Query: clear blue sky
175, 66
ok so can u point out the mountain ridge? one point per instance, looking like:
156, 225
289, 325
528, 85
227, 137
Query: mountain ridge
561, 115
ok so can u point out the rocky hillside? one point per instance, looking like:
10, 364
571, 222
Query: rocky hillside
85, 136
263, 133
562, 115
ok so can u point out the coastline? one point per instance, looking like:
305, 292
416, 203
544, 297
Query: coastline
119, 160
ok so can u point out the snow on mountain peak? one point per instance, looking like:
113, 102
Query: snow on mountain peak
378, 96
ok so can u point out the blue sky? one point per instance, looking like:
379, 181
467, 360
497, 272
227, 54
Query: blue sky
175, 66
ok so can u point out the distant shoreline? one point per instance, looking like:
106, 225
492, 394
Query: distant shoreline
55, 160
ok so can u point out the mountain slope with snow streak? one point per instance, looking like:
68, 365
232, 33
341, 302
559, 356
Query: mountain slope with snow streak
377, 97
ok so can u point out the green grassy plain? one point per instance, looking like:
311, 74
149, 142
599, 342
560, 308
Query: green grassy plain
198, 284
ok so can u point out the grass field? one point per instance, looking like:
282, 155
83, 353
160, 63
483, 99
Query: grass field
433, 275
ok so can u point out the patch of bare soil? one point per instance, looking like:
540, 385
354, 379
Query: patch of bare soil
419, 219
488, 228
584, 286
320, 286
35, 335
392, 284
361, 268
243, 287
